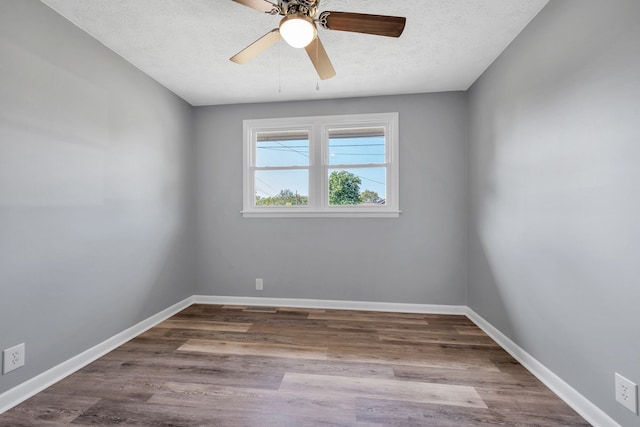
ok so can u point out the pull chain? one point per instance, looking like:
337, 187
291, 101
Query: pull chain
280, 70
317, 82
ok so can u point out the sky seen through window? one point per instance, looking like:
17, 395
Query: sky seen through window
343, 152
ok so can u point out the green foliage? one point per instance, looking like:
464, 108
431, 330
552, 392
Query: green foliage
344, 188
368, 196
284, 198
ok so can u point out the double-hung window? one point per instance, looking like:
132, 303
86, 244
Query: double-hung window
321, 166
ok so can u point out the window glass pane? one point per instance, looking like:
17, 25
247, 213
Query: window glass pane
357, 186
282, 188
356, 146
282, 149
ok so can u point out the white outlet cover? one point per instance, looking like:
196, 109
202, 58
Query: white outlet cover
12, 358
627, 393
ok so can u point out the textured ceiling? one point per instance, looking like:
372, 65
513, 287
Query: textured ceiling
186, 45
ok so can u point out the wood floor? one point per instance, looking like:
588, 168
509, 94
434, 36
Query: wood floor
221, 366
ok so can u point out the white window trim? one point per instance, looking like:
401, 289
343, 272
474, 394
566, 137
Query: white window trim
318, 127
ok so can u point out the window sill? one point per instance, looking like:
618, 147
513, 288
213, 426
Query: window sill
321, 214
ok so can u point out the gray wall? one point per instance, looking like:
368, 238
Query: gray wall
95, 191
96, 205
417, 258
554, 241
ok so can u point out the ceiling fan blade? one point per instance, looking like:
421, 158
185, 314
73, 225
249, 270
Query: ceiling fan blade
257, 47
320, 59
380, 25
260, 5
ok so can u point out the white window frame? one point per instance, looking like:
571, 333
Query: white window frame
318, 128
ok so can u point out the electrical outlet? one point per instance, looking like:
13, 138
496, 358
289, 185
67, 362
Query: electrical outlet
259, 285
13, 358
627, 393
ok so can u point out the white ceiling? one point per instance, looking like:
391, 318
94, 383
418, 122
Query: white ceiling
186, 45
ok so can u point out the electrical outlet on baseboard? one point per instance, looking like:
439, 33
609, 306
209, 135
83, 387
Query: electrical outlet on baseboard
627, 393
259, 285
12, 358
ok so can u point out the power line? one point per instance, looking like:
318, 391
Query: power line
355, 145
369, 179
287, 148
295, 151
330, 146
364, 177
280, 149
357, 154
268, 185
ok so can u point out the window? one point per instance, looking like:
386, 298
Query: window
321, 166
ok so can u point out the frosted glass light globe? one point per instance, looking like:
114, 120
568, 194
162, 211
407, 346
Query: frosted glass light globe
297, 30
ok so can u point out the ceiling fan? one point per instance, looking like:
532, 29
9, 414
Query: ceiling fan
298, 29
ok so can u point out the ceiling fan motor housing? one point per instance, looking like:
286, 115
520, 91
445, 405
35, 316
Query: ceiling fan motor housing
305, 7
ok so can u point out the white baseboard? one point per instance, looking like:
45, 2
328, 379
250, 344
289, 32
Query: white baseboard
332, 304
590, 412
22, 392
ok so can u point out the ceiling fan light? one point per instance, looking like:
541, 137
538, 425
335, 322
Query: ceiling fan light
297, 30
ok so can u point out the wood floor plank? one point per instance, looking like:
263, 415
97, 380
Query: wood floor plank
255, 349
437, 338
391, 412
404, 356
160, 373
301, 310
469, 377
349, 316
254, 337
258, 401
257, 364
321, 334
409, 391
205, 326
107, 413
311, 336
48, 409
377, 315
